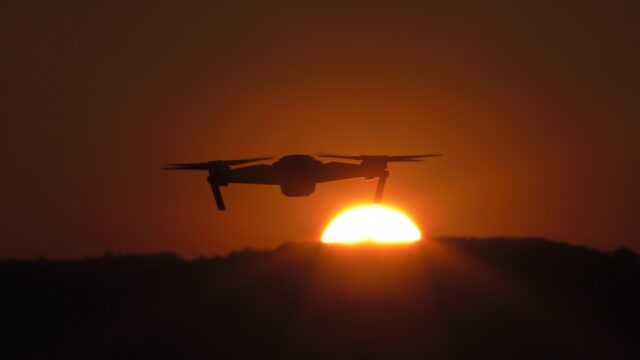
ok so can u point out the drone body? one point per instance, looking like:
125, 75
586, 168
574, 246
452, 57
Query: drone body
297, 175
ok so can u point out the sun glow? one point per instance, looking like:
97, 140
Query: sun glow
371, 224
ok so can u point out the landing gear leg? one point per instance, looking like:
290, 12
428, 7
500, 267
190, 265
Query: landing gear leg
380, 188
216, 193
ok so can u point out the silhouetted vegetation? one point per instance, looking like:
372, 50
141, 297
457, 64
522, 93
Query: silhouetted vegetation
444, 298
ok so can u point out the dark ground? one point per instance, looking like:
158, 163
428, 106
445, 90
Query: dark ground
442, 298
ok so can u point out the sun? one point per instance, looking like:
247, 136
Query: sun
376, 224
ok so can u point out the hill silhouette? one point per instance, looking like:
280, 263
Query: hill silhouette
442, 298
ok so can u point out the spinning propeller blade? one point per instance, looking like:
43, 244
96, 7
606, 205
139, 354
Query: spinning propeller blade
211, 164
382, 158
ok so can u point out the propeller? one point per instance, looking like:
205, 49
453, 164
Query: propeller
382, 158
210, 164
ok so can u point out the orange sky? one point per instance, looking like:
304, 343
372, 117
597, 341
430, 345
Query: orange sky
534, 106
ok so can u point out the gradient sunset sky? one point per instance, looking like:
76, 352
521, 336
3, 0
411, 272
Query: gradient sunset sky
534, 104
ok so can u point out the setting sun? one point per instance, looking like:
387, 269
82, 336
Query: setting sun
371, 224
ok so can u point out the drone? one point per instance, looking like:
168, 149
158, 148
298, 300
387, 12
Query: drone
297, 175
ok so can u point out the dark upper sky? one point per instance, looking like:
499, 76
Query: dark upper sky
535, 105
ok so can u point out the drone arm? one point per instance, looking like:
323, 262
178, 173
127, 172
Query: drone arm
217, 194
380, 188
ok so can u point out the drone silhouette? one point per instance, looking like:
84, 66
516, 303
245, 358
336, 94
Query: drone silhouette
297, 175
